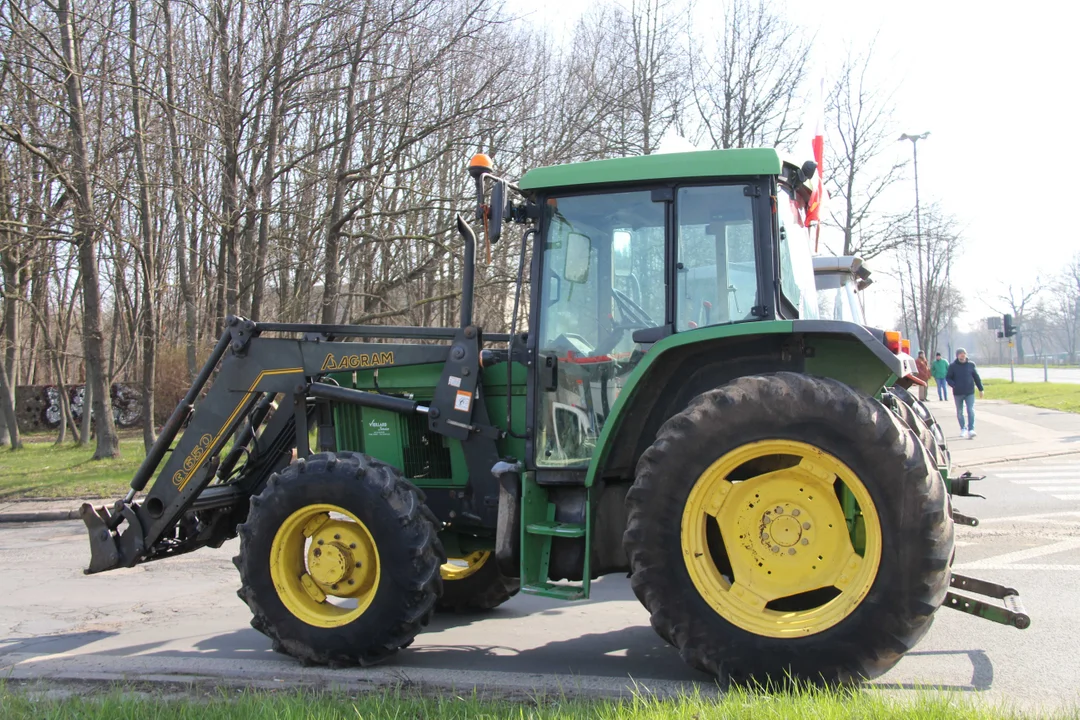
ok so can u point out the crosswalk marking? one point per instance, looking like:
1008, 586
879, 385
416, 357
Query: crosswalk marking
1061, 481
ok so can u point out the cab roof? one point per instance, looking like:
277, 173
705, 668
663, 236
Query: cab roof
667, 166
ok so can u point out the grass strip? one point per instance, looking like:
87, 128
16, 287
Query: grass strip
1052, 396
42, 470
807, 704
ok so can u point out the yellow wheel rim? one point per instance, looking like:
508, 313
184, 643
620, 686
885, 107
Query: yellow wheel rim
772, 553
319, 554
461, 568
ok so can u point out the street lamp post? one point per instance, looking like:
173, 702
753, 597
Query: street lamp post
918, 225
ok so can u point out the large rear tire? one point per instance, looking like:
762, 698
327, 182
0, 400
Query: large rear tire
740, 546
339, 560
474, 584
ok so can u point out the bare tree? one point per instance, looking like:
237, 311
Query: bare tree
1016, 301
746, 91
1063, 307
860, 134
925, 261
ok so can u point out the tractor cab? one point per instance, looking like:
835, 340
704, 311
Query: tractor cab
709, 239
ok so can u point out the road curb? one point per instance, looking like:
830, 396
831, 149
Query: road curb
41, 516
1018, 458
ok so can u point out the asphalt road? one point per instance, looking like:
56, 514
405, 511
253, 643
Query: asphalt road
1055, 375
180, 619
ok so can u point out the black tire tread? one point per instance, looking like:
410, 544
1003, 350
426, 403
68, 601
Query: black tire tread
485, 589
884, 626
418, 532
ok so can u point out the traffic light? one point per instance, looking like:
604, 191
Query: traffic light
1009, 328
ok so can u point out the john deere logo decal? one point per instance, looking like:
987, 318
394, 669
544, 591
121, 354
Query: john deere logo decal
351, 362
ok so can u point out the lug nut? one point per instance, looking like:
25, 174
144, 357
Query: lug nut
779, 510
334, 586
806, 526
795, 512
805, 541
764, 536
320, 542
352, 545
791, 551
776, 548
336, 536
350, 581
357, 564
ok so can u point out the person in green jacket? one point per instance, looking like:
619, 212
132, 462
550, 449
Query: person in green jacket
938, 370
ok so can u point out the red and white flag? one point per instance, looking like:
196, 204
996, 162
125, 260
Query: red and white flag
820, 194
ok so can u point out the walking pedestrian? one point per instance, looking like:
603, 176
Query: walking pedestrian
923, 374
938, 370
963, 378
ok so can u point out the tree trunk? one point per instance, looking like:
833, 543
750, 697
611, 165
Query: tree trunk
86, 236
149, 324
7, 406
334, 224
183, 276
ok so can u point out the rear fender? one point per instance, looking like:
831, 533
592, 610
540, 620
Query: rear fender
682, 366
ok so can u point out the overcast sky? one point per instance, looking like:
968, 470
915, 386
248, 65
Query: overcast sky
993, 83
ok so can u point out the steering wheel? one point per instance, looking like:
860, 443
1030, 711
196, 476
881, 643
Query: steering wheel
634, 318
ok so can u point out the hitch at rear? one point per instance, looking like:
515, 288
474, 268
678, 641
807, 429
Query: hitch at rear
1012, 613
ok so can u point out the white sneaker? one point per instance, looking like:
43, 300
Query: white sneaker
964, 433
971, 434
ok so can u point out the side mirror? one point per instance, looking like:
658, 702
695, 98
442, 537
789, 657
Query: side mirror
498, 211
578, 257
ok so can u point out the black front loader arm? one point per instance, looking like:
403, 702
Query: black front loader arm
183, 510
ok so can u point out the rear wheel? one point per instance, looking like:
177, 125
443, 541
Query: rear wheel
339, 560
788, 526
474, 583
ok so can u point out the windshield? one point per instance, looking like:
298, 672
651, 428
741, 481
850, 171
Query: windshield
603, 277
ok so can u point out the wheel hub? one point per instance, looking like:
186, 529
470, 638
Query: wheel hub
329, 564
783, 530
785, 563
315, 557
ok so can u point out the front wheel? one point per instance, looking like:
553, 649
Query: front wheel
784, 526
339, 560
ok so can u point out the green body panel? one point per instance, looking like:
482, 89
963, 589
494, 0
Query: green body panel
669, 166
386, 435
853, 363
846, 360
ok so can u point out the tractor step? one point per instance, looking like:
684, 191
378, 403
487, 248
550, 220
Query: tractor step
540, 530
556, 529
1012, 614
551, 590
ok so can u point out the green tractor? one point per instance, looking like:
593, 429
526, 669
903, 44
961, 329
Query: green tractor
667, 404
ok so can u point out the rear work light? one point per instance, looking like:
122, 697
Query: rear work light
892, 341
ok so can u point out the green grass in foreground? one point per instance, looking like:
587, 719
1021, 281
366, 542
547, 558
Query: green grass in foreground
42, 470
289, 705
1053, 396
